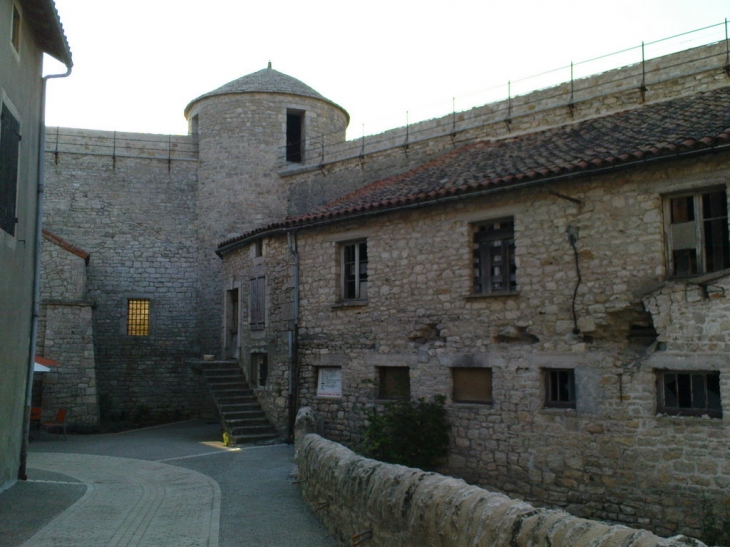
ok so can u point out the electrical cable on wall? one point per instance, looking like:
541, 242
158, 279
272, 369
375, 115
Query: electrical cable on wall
572, 232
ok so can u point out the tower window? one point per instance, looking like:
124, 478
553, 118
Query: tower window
294, 135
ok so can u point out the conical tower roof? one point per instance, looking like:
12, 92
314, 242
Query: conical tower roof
267, 80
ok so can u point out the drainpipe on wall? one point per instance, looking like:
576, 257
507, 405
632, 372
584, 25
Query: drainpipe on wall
293, 345
36, 275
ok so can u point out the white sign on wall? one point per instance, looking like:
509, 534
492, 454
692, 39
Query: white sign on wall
329, 382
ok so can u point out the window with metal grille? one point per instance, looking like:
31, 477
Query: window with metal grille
394, 383
494, 257
355, 271
9, 147
688, 393
472, 385
15, 30
698, 233
138, 316
294, 136
560, 388
257, 303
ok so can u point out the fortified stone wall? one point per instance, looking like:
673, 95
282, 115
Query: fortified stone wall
362, 502
130, 203
346, 166
612, 457
65, 334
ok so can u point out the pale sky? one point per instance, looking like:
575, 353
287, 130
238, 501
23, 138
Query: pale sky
138, 63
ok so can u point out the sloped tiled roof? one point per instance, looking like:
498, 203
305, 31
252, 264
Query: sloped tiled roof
662, 130
47, 29
267, 80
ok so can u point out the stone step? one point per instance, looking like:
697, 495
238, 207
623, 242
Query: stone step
243, 402
248, 422
257, 438
253, 430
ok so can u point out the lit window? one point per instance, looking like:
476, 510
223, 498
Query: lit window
15, 29
698, 234
355, 271
689, 393
294, 136
560, 388
9, 147
494, 257
472, 385
395, 383
138, 317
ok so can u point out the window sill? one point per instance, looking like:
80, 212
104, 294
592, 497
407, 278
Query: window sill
349, 304
701, 279
706, 416
383, 401
477, 296
475, 404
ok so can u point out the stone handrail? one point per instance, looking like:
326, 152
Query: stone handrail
366, 502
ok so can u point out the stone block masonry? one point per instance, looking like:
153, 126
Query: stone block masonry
366, 502
135, 215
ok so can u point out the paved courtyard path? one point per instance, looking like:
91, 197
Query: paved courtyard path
170, 486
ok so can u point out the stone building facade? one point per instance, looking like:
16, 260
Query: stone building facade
28, 30
555, 265
66, 332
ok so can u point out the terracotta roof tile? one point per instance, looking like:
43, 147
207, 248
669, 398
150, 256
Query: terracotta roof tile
56, 240
649, 132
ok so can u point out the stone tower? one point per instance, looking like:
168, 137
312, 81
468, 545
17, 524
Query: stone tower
250, 132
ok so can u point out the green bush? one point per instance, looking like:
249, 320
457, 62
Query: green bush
415, 434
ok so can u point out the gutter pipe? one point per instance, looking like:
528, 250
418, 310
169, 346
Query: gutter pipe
22, 475
293, 342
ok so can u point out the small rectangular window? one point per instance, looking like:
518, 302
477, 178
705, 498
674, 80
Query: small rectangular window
560, 388
494, 257
472, 385
257, 303
698, 233
260, 366
294, 136
689, 393
15, 29
355, 271
394, 383
9, 148
138, 317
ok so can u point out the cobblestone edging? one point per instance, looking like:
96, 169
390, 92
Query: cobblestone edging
359, 499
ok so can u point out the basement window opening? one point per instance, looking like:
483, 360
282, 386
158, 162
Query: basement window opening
294, 136
472, 385
684, 393
560, 388
394, 383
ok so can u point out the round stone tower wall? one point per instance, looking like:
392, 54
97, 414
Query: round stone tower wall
242, 141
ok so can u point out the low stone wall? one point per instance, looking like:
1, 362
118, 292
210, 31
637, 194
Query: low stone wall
370, 503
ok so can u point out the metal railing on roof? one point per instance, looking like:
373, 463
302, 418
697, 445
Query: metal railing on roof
570, 83
117, 145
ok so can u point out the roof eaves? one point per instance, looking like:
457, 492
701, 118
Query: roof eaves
43, 18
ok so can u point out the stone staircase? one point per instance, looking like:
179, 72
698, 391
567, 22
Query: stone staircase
241, 415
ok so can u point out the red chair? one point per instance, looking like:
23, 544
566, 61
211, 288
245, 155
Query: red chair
59, 423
